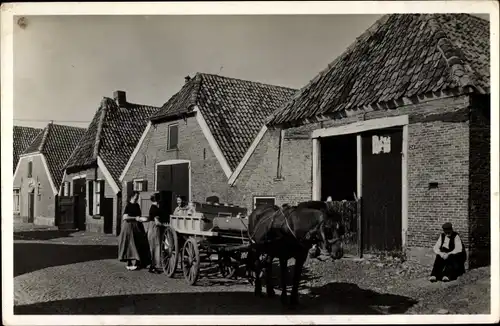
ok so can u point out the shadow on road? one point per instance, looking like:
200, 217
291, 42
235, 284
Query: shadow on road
42, 234
35, 256
334, 298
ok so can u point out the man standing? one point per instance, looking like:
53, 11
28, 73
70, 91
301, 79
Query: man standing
450, 256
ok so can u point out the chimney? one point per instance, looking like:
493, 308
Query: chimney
120, 98
187, 79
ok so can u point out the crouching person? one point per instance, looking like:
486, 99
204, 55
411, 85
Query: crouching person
450, 256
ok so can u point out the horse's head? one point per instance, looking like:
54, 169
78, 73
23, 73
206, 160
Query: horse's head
326, 231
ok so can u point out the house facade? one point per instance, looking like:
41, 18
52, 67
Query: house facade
400, 121
90, 191
195, 142
22, 137
39, 171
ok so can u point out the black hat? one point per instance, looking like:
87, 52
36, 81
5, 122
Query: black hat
447, 226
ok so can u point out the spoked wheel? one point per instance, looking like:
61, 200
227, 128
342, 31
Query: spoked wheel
191, 261
170, 251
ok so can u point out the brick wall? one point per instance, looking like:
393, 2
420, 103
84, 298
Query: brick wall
259, 176
207, 176
44, 210
479, 236
438, 151
95, 223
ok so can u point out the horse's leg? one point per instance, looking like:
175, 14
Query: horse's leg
257, 268
269, 276
297, 273
284, 274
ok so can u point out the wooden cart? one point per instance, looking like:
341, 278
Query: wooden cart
206, 237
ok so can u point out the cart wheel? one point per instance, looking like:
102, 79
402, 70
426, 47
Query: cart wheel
170, 251
191, 261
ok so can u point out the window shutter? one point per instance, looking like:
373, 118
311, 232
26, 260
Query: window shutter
91, 197
145, 185
130, 189
101, 197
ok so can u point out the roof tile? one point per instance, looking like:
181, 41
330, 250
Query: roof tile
434, 53
23, 137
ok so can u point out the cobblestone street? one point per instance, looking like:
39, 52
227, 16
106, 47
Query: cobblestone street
78, 273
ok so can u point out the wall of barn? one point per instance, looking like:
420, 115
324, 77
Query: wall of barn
207, 176
95, 223
45, 200
443, 147
479, 183
260, 176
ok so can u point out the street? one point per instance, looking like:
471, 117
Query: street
78, 273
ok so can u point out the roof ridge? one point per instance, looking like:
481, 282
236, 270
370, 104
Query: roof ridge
368, 32
460, 70
245, 80
45, 136
97, 141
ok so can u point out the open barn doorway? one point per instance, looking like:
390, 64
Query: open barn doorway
339, 181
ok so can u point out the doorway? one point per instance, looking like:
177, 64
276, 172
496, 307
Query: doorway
31, 206
172, 180
80, 200
382, 189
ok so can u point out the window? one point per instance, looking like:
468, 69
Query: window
98, 193
140, 185
173, 136
30, 169
17, 199
260, 201
66, 189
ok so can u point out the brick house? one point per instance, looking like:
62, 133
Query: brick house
39, 171
90, 187
400, 120
194, 143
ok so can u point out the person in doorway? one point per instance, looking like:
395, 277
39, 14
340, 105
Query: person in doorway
181, 205
450, 256
153, 231
131, 244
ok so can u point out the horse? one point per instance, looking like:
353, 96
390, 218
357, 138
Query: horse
286, 232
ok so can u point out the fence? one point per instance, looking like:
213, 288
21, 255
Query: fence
348, 213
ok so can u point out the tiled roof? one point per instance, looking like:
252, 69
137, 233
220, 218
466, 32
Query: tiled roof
56, 143
112, 135
23, 136
400, 56
235, 110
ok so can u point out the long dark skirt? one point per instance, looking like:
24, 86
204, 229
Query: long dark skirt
132, 243
154, 239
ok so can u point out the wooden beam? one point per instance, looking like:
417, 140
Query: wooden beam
359, 172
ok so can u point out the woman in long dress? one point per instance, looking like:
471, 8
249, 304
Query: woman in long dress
153, 231
132, 247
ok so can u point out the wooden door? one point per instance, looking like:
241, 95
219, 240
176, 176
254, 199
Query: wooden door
381, 190
174, 179
80, 194
107, 214
31, 206
66, 213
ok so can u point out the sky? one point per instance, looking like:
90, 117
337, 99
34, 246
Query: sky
64, 65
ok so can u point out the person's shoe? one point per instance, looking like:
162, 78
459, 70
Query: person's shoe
446, 279
133, 268
128, 267
432, 279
